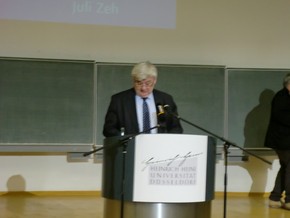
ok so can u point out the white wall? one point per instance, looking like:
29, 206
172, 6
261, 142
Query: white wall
235, 33
55, 173
48, 173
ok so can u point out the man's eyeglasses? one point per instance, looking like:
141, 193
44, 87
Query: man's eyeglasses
145, 83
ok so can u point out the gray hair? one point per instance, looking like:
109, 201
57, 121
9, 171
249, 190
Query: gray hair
286, 80
143, 70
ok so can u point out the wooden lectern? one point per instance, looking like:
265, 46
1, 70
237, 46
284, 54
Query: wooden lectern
159, 176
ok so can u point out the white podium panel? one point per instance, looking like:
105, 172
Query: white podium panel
159, 176
170, 168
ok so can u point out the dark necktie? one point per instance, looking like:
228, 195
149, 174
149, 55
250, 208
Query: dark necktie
146, 118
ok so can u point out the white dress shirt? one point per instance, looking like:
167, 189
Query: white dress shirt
152, 110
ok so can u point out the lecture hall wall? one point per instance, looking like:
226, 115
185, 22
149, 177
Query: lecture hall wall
233, 33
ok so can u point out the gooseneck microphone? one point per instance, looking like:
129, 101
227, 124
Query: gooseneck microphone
168, 111
162, 117
161, 113
166, 108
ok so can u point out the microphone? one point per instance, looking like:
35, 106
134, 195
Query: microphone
168, 110
122, 131
161, 115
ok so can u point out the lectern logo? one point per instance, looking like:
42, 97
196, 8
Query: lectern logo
177, 170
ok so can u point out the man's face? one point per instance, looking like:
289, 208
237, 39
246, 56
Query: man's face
144, 87
288, 87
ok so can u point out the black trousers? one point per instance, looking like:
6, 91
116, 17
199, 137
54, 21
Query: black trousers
282, 182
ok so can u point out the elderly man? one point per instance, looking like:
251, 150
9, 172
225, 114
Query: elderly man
135, 110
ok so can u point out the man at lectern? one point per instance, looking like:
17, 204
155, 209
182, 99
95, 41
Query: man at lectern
141, 108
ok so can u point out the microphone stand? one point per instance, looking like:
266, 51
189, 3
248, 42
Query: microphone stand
123, 140
124, 143
227, 144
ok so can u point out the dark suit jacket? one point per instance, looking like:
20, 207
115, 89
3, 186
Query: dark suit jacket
122, 113
278, 133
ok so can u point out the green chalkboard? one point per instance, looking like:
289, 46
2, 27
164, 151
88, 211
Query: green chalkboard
198, 91
45, 102
250, 92
63, 102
